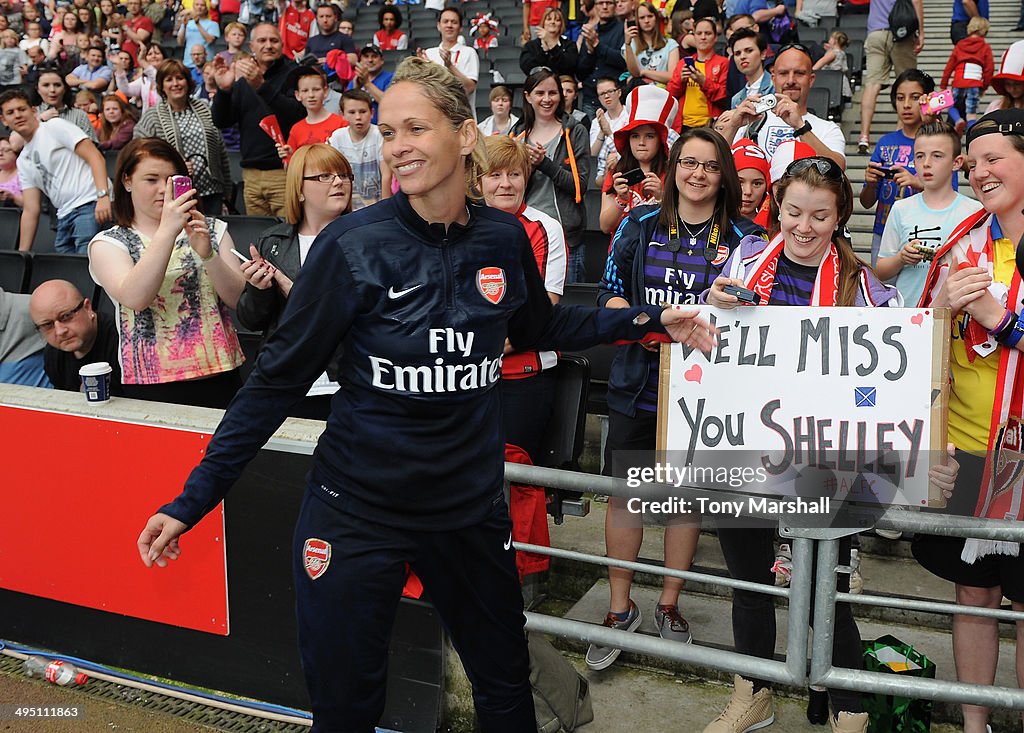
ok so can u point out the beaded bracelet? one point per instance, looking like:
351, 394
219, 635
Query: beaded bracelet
1003, 324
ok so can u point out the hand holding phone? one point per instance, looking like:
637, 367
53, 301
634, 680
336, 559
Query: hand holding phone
634, 176
744, 295
180, 185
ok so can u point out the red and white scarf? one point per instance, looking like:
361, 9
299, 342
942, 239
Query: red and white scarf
1002, 486
760, 275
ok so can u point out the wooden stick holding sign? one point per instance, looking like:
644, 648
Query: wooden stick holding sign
859, 392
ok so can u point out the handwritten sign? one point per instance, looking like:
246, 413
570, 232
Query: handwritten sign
858, 392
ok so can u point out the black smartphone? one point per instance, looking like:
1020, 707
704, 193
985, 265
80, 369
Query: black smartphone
888, 173
744, 295
633, 177
630, 23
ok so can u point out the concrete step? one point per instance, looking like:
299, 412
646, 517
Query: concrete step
634, 698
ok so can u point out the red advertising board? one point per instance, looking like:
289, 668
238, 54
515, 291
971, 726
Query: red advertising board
75, 492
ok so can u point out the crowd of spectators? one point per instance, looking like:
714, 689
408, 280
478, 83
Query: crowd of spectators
661, 109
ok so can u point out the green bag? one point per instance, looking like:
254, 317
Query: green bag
888, 713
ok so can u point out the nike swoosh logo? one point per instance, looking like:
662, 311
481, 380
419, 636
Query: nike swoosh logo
395, 294
509, 543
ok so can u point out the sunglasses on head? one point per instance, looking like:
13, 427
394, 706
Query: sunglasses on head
824, 166
798, 46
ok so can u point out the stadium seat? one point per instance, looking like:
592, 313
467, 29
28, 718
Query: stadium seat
245, 230
563, 439
595, 256
819, 101
15, 269
817, 35
46, 234
855, 54
10, 228
73, 268
110, 156
600, 357
831, 80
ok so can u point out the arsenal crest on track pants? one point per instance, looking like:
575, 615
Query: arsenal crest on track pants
349, 574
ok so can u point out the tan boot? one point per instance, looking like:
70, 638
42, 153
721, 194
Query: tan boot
849, 723
746, 710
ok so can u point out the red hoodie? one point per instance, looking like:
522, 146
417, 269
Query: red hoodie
970, 65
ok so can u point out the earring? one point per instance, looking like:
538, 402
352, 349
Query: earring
301, 198
127, 190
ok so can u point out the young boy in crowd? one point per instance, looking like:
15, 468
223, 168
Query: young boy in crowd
971, 68
311, 91
918, 225
890, 175
362, 145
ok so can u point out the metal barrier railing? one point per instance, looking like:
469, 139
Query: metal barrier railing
806, 542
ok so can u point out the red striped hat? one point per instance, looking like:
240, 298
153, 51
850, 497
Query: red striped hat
747, 154
1011, 67
786, 153
647, 105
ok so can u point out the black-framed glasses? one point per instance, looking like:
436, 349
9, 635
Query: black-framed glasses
710, 166
824, 166
66, 317
799, 47
329, 177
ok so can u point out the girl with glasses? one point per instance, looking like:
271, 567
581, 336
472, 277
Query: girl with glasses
171, 274
318, 189
809, 261
661, 255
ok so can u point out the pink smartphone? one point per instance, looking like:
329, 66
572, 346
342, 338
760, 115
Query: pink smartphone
180, 185
936, 102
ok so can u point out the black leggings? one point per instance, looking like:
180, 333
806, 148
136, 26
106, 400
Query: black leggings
749, 554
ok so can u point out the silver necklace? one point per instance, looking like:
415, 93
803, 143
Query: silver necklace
694, 235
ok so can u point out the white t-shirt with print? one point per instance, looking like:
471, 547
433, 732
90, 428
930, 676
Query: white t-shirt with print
365, 158
775, 130
465, 60
49, 163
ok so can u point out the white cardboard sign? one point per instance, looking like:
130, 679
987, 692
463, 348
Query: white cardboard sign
792, 387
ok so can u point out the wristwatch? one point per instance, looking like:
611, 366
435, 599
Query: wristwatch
802, 130
102, 193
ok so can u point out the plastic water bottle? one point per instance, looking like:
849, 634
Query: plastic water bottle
60, 673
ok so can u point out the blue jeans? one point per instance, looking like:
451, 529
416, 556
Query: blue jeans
575, 271
76, 230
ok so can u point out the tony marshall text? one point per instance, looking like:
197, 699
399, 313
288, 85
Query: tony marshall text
795, 505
